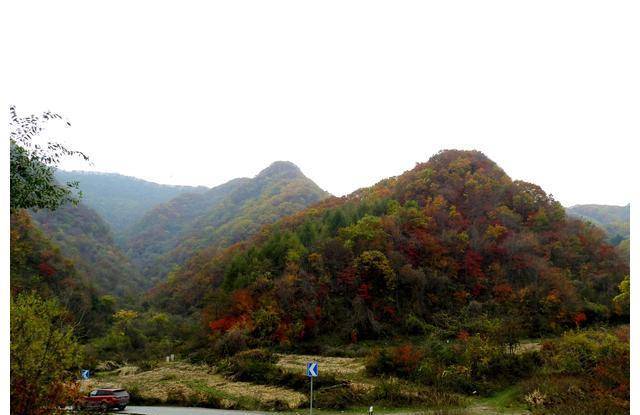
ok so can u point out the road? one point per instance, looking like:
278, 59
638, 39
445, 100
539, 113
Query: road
174, 410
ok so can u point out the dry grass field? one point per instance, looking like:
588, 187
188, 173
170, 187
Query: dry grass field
184, 383
341, 367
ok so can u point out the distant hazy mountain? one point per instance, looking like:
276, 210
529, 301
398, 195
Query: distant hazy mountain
614, 220
86, 238
121, 200
172, 232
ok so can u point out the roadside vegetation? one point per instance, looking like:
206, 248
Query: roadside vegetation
581, 372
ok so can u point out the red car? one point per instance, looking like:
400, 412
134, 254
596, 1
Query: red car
105, 399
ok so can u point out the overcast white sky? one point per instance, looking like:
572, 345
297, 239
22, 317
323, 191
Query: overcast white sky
352, 92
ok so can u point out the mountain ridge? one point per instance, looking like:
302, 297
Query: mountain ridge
121, 200
170, 233
453, 235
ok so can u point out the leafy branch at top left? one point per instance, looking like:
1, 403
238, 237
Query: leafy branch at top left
32, 164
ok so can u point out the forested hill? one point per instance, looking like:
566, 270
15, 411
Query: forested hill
448, 243
615, 220
121, 200
38, 265
170, 233
86, 238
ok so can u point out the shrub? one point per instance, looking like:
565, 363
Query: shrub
580, 352
340, 397
231, 343
394, 392
402, 361
380, 362
415, 326
146, 365
44, 355
255, 365
457, 378
585, 372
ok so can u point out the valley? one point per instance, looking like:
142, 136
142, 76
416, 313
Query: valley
449, 289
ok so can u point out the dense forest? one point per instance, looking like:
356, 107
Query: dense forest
38, 265
171, 232
85, 237
452, 241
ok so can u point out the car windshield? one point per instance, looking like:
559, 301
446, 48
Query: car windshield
121, 393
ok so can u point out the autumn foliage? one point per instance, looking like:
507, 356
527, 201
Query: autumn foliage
452, 237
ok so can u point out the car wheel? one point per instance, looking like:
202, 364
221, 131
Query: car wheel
104, 407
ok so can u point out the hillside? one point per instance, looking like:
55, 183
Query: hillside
38, 265
445, 246
613, 219
86, 238
170, 233
121, 200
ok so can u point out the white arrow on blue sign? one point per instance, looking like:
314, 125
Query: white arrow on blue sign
312, 369
85, 374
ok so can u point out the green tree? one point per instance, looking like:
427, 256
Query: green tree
32, 164
622, 300
44, 353
374, 267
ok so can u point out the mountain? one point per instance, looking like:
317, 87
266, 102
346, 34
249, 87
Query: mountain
172, 232
452, 241
86, 238
613, 219
121, 200
37, 264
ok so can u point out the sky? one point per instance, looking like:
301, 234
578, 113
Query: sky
198, 93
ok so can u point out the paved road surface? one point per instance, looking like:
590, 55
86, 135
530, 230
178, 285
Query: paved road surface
172, 410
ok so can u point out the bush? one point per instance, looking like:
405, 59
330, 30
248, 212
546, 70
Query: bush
255, 365
585, 372
457, 378
394, 392
44, 355
402, 361
380, 362
340, 397
579, 352
415, 326
258, 366
231, 343
570, 395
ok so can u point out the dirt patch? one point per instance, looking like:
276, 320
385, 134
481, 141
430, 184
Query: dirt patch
528, 346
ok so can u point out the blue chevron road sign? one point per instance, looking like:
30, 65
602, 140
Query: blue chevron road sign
312, 369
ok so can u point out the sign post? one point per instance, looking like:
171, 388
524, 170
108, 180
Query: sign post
312, 372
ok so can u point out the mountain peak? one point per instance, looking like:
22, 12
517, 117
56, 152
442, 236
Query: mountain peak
280, 168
